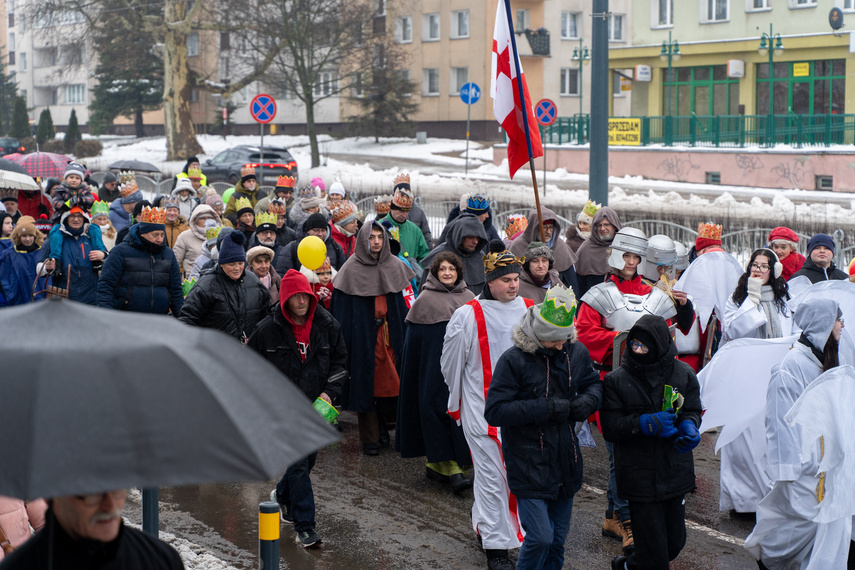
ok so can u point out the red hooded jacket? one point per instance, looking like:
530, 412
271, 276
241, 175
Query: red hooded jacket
294, 282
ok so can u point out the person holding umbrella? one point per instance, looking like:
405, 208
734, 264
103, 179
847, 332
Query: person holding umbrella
305, 343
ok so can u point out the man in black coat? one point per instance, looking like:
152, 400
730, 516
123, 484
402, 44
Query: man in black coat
141, 274
819, 265
651, 411
86, 531
305, 342
541, 387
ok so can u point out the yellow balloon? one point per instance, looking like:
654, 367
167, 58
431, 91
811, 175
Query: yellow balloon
312, 252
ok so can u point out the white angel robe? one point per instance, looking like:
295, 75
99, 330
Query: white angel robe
468, 371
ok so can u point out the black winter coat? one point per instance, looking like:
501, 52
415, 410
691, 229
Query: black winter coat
817, 274
324, 368
141, 277
234, 307
542, 454
648, 468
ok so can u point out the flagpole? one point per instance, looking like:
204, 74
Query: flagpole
524, 116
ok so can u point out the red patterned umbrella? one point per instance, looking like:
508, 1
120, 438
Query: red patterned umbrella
43, 164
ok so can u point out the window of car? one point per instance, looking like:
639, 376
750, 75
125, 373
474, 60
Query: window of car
220, 158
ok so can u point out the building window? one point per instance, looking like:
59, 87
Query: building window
570, 26
757, 5
802, 4
326, 85
662, 12
716, 11
616, 90
22, 62
11, 20
459, 78
460, 24
71, 54
404, 30
569, 81
11, 42
75, 94
616, 28
406, 78
194, 95
356, 88
521, 21
11, 58
848, 5
193, 44
803, 88
430, 28
44, 57
430, 81
704, 90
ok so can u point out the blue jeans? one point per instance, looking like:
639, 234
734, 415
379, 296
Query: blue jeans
546, 524
294, 491
615, 502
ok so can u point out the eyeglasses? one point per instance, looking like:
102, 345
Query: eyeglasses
638, 346
760, 268
95, 499
603, 225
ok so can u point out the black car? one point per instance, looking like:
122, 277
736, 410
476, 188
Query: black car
8, 145
226, 165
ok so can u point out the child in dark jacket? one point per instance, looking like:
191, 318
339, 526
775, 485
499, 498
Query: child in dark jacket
72, 192
651, 412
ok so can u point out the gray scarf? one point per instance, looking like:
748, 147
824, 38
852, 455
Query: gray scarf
772, 328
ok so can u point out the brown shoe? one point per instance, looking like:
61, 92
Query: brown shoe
612, 527
628, 543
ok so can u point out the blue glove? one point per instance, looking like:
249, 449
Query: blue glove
660, 424
689, 438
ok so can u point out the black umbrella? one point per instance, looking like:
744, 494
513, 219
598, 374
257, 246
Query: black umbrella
94, 399
6, 164
135, 165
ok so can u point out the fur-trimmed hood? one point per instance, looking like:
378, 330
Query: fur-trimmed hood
527, 344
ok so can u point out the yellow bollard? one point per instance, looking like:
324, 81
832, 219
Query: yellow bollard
268, 534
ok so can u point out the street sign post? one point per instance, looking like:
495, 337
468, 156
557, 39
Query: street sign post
469, 94
545, 112
263, 110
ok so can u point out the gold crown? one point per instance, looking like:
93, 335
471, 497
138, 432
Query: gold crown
709, 231
590, 208
153, 215
516, 223
286, 182
343, 210
401, 179
499, 259
403, 199
247, 171
265, 218
194, 173
128, 188
308, 192
277, 207
243, 203
126, 176
382, 204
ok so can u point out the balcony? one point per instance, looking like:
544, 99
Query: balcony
538, 40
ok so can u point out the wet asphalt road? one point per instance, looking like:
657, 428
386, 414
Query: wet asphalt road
382, 513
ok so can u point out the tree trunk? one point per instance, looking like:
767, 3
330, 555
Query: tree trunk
310, 129
180, 135
139, 128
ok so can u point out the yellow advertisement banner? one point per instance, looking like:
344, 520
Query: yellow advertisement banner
625, 132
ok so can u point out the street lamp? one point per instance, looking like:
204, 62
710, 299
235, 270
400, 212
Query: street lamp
670, 53
580, 57
764, 49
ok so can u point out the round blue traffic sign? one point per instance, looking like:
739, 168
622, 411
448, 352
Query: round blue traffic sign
470, 93
545, 112
262, 108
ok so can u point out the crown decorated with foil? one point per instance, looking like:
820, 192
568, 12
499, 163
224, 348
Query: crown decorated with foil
559, 307
242, 203
265, 218
286, 181
277, 207
477, 203
126, 176
709, 231
516, 223
401, 181
590, 208
99, 207
153, 215
247, 171
403, 199
382, 204
8, 194
498, 259
128, 188
395, 232
169, 202
212, 232
187, 285
308, 192
342, 211
194, 173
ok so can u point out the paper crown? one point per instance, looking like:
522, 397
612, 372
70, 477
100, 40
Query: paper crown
286, 182
247, 171
343, 211
169, 202
327, 266
559, 307
8, 194
516, 223
99, 208
128, 188
194, 173
395, 232
126, 176
590, 208
477, 203
153, 215
277, 207
308, 192
265, 218
212, 232
709, 231
187, 285
403, 199
382, 204
243, 203
499, 259
401, 181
